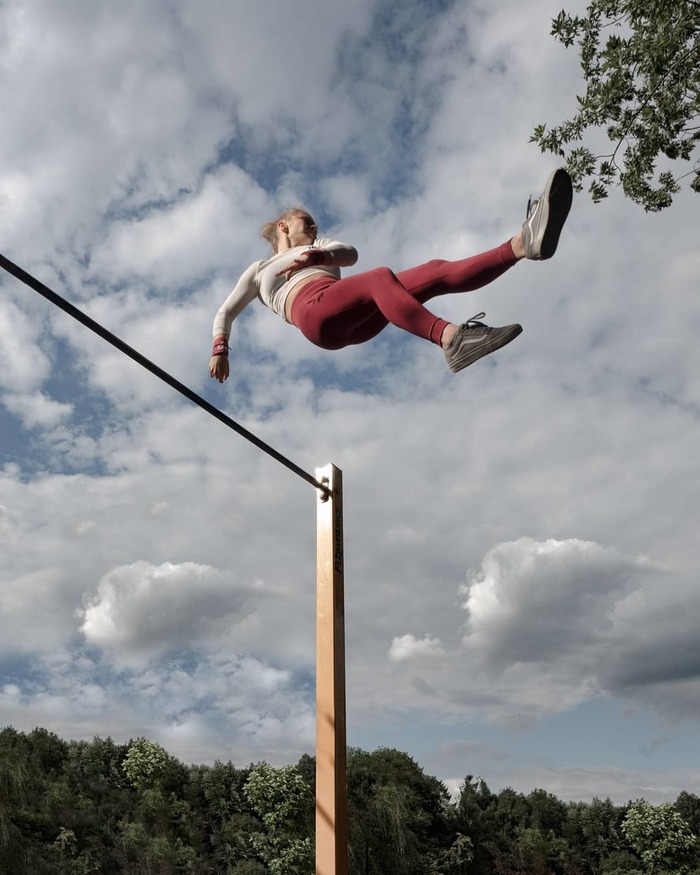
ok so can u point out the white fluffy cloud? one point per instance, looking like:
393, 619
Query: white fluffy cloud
145, 609
564, 621
37, 410
23, 365
536, 601
410, 647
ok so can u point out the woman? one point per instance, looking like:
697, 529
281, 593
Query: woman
301, 282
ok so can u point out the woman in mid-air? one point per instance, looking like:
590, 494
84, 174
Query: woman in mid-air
301, 282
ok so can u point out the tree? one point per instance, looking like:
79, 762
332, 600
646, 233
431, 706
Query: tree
12, 781
663, 840
688, 805
216, 793
594, 830
398, 816
145, 764
641, 66
283, 801
476, 819
457, 858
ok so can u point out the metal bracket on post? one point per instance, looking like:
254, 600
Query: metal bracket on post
331, 757
325, 493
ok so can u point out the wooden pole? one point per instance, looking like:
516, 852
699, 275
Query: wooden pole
331, 761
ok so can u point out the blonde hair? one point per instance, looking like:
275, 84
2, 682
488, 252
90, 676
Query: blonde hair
269, 230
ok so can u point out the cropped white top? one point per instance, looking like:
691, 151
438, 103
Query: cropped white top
260, 280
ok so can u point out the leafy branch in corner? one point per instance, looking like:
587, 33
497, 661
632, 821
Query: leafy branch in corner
640, 61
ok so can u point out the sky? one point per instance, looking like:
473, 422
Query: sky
521, 588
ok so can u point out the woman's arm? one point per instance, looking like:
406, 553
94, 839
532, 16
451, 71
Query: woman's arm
245, 291
341, 254
324, 252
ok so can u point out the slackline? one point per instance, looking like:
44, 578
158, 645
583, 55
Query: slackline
60, 302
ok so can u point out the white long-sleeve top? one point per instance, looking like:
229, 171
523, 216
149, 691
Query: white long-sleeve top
260, 281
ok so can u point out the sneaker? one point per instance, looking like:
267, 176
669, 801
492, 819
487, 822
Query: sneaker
474, 340
546, 216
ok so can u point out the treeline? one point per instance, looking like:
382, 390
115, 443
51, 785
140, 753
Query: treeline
100, 807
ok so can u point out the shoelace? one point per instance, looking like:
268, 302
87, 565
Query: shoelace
531, 206
474, 323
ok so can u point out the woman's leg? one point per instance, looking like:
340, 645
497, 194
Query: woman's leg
337, 313
334, 313
447, 277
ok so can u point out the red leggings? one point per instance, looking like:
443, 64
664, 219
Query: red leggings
333, 313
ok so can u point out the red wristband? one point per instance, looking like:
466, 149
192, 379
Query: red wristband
220, 348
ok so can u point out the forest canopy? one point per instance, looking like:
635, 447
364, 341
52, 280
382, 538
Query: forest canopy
103, 807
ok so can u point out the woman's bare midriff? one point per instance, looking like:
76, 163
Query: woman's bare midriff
320, 274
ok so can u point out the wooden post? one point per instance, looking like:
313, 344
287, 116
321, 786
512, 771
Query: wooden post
331, 760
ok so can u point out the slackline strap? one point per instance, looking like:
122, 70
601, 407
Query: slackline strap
81, 317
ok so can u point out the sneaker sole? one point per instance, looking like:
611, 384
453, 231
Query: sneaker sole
470, 356
558, 204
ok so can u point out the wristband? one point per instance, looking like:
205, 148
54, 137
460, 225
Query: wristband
220, 348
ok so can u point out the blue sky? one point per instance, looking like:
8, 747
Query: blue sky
521, 571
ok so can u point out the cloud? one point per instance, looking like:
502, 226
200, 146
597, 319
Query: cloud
533, 601
219, 705
410, 647
23, 365
565, 621
6, 525
37, 410
200, 232
142, 609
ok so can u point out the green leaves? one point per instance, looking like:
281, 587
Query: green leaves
145, 764
283, 801
663, 840
640, 61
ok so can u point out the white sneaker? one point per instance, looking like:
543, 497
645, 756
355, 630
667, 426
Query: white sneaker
546, 216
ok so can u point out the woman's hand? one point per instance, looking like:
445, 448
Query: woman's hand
218, 367
310, 258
